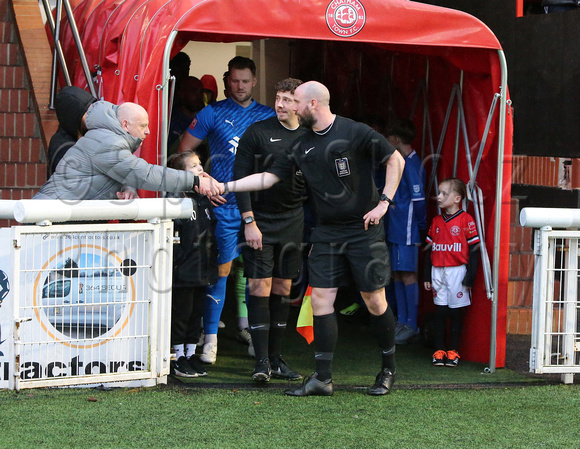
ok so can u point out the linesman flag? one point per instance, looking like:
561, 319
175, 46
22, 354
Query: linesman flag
304, 324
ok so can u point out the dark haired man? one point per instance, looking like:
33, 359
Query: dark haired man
223, 123
179, 66
189, 90
273, 226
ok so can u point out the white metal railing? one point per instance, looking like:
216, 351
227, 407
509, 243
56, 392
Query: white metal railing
556, 307
86, 304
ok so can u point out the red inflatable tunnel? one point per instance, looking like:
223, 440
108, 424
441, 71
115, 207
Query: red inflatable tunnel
393, 58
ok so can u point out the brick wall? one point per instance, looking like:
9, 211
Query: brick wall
521, 277
531, 171
536, 171
22, 147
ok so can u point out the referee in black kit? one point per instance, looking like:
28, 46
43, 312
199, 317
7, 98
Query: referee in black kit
336, 159
273, 224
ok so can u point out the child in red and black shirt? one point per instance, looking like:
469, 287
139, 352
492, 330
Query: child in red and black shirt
451, 266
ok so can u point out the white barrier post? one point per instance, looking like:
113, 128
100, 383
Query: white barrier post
538, 217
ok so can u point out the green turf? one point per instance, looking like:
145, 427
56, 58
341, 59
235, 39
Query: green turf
169, 417
357, 360
431, 408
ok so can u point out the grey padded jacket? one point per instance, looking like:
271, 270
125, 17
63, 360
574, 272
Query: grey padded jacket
102, 163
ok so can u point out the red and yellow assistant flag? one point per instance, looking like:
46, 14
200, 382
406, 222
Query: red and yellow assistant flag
304, 324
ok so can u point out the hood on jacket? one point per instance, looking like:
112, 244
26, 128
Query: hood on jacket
102, 115
71, 103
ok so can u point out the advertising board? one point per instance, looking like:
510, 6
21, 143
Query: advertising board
76, 305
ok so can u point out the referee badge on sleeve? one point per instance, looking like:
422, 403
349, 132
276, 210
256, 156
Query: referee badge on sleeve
342, 167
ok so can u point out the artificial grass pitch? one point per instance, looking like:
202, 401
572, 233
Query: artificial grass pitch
356, 361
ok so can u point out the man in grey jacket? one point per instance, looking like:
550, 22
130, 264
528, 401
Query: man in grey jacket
101, 165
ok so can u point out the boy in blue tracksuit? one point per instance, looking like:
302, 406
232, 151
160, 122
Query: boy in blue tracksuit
407, 219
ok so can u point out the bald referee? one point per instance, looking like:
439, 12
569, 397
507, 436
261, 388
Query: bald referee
336, 158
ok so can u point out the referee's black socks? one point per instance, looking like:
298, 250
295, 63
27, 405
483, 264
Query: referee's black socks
383, 329
279, 309
325, 338
259, 323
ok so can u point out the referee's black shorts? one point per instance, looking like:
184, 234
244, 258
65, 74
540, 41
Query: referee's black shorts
281, 260
366, 262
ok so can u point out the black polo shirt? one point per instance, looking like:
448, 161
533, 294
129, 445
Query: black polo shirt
337, 164
261, 144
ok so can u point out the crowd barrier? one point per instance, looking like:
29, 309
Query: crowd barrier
555, 344
86, 303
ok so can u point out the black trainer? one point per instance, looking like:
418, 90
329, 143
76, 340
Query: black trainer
281, 370
182, 368
383, 383
311, 386
197, 366
262, 371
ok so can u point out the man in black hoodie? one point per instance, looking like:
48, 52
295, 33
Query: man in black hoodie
71, 105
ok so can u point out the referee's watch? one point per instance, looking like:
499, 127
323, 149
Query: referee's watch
387, 199
249, 220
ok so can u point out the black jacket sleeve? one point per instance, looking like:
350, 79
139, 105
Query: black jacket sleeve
472, 265
427, 265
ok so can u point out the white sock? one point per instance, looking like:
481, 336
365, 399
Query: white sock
179, 351
242, 322
210, 338
190, 349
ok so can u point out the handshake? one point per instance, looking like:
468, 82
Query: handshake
209, 186
257, 181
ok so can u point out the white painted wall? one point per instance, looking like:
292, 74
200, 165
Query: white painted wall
212, 58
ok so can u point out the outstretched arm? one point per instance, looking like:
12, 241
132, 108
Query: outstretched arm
252, 183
